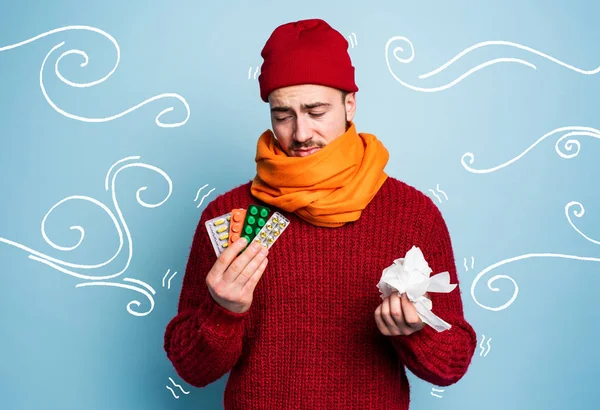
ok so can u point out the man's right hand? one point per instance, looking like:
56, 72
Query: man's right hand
231, 280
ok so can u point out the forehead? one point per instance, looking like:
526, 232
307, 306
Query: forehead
296, 95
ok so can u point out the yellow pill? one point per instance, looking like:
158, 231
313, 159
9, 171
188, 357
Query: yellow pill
276, 232
225, 245
221, 229
271, 240
269, 226
282, 224
224, 236
263, 234
219, 222
275, 220
229, 217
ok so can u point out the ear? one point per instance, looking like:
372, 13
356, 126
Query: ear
350, 105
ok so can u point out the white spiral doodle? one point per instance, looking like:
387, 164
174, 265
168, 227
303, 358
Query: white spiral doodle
571, 147
578, 214
516, 291
125, 286
490, 281
411, 56
93, 83
70, 268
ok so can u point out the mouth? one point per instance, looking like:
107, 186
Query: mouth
306, 151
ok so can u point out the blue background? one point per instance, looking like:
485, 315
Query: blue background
68, 347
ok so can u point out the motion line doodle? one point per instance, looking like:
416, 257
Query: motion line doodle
400, 44
489, 347
178, 386
74, 269
85, 57
490, 281
204, 196
570, 145
170, 278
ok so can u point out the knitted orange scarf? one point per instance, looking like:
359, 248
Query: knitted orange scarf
327, 188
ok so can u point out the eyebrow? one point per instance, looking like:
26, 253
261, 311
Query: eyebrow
284, 108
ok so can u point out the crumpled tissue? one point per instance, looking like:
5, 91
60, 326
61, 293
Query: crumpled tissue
411, 274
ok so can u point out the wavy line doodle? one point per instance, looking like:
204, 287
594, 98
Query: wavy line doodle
204, 196
483, 348
406, 60
437, 188
472, 263
170, 278
353, 40
569, 146
490, 281
178, 386
256, 72
439, 396
85, 57
70, 268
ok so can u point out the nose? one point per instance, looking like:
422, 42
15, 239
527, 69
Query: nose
302, 131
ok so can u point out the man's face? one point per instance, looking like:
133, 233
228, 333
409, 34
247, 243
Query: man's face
307, 117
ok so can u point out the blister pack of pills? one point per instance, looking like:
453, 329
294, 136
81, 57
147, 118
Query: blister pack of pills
256, 218
272, 230
251, 223
218, 231
238, 216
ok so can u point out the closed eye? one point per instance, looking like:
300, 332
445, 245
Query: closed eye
316, 115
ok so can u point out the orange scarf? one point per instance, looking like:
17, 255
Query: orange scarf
327, 188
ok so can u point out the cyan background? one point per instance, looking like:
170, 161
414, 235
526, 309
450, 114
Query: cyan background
64, 347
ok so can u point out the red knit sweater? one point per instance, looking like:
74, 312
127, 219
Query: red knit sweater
309, 339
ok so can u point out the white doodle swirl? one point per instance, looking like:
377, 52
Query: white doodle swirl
61, 265
516, 287
579, 214
71, 268
125, 286
571, 147
405, 60
93, 83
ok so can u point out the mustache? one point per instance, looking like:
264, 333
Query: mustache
306, 145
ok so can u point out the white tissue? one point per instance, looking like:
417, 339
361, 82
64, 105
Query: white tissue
411, 275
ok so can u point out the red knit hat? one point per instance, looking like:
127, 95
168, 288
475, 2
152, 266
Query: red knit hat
305, 52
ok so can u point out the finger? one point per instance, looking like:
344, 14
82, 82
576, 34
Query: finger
385, 314
240, 262
380, 323
396, 310
255, 278
251, 267
411, 317
229, 255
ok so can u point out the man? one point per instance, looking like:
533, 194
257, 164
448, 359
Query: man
302, 325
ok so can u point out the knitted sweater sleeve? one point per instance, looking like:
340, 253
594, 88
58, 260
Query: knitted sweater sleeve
440, 358
204, 340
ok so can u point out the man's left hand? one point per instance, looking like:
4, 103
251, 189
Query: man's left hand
398, 316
